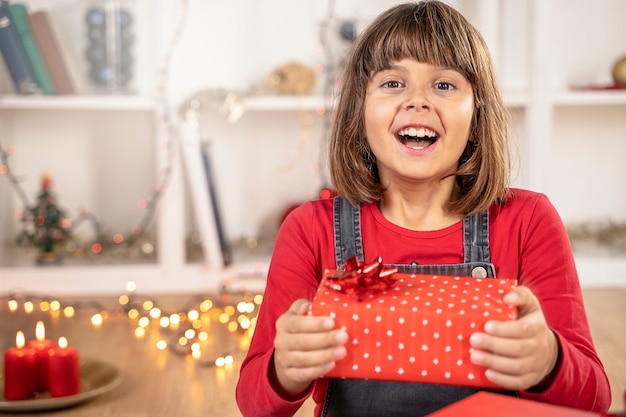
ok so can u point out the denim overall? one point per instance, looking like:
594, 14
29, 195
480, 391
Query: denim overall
352, 397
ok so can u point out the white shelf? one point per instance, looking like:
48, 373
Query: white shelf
77, 102
112, 279
284, 103
589, 98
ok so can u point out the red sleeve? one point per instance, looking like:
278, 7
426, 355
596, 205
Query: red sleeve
547, 267
294, 273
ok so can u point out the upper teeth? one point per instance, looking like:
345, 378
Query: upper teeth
419, 132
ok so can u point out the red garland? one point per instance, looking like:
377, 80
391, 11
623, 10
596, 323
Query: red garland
359, 280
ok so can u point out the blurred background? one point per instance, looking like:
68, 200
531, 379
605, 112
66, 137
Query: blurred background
248, 85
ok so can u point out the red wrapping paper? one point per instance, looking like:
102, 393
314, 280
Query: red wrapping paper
487, 404
416, 330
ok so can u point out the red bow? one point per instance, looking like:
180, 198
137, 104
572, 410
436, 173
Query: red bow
359, 280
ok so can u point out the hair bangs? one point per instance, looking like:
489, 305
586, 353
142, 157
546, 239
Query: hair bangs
427, 35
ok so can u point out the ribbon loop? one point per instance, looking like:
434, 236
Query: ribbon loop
360, 280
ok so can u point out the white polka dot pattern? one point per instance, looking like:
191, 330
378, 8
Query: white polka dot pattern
418, 330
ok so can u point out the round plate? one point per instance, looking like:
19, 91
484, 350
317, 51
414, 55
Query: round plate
96, 378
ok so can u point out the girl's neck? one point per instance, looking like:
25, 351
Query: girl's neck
421, 210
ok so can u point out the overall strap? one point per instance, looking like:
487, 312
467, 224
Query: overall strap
348, 240
476, 237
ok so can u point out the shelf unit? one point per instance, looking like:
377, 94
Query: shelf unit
536, 104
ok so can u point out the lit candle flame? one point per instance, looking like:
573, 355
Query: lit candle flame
62, 342
40, 331
20, 340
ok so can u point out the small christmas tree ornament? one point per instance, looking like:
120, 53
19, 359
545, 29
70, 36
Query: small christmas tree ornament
46, 225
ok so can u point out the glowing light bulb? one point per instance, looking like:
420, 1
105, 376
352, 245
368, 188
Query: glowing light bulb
193, 314
69, 311
97, 320
155, 313
28, 307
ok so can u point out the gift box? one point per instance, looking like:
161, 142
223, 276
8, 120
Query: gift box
409, 327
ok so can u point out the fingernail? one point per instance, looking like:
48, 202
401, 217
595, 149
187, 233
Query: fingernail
329, 324
511, 297
340, 352
476, 339
476, 357
342, 337
489, 327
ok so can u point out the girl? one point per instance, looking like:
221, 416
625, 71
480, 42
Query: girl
418, 155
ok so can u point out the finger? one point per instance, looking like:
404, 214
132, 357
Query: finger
310, 358
306, 342
503, 347
511, 382
523, 298
306, 375
300, 306
295, 320
521, 328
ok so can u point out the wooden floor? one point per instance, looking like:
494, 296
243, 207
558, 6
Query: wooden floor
606, 310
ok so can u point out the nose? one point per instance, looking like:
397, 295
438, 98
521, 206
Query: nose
417, 99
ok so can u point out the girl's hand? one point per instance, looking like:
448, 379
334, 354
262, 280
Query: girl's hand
305, 348
518, 354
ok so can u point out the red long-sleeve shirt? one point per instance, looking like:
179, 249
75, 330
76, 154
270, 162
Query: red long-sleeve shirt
527, 241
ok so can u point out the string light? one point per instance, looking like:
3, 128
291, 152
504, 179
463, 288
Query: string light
189, 327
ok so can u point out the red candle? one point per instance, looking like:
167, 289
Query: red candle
41, 346
64, 370
19, 371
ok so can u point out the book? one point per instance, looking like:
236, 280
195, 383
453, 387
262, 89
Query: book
217, 217
17, 14
51, 52
14, 56
200, 195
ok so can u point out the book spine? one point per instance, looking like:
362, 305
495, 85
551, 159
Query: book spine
201, 198
206, 159
47, 40
14, 56
17, 14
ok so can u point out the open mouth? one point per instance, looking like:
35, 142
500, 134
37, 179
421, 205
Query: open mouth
416, 138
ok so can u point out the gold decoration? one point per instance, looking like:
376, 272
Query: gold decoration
619, 71
293, 78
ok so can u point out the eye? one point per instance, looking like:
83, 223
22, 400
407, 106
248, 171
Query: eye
392, 84
444, 85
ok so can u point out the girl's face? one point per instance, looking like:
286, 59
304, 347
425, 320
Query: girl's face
417, 121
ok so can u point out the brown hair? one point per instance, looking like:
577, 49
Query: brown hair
432, 32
